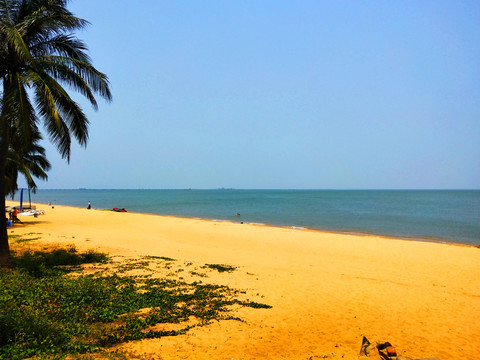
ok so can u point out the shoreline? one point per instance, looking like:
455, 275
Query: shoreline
327, 290
292, 227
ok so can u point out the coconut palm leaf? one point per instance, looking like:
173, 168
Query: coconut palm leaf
28, 160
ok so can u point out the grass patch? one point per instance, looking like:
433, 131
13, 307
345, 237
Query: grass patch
221, 268
48, 312
257, 305
194, 273
53, 263
26, 239
137, 265
22, 238
161, 258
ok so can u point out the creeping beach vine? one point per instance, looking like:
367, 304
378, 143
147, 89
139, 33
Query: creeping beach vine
54, 304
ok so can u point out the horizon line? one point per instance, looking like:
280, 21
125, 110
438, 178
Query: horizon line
276, 189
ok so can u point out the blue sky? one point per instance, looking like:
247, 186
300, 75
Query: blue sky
281, 94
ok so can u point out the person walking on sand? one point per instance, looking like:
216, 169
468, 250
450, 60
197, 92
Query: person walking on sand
89, 205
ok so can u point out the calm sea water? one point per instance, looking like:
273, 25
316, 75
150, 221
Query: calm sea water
452, 216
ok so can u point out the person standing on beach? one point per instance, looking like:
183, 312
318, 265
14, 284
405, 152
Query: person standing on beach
89, 205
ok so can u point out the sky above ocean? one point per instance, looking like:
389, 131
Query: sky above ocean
281, 94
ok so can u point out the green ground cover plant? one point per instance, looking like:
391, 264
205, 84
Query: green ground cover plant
51, 308
20, 239
220, 267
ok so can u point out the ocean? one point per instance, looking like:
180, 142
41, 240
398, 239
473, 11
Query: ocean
434, 215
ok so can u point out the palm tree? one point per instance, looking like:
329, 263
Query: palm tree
27, 159
39, 56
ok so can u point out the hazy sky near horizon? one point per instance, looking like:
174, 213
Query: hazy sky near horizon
281, 94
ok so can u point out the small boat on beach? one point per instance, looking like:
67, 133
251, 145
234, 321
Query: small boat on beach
30, 212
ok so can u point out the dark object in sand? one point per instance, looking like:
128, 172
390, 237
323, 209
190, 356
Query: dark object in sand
385, 350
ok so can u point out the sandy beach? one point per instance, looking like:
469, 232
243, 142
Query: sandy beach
326, 290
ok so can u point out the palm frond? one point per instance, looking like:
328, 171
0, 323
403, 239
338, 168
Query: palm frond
15, 43
58, 68
61, 138
63, 45
62, 110
39, 58
47, 16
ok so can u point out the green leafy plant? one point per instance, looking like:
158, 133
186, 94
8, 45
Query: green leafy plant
221, 268
194, 273
42, 263
21, 239
49, 312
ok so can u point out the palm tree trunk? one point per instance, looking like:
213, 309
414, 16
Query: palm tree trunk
5, 257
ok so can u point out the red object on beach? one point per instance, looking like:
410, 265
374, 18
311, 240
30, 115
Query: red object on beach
391, 351
119, 210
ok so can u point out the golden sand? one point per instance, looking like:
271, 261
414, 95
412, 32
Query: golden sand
326, 290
